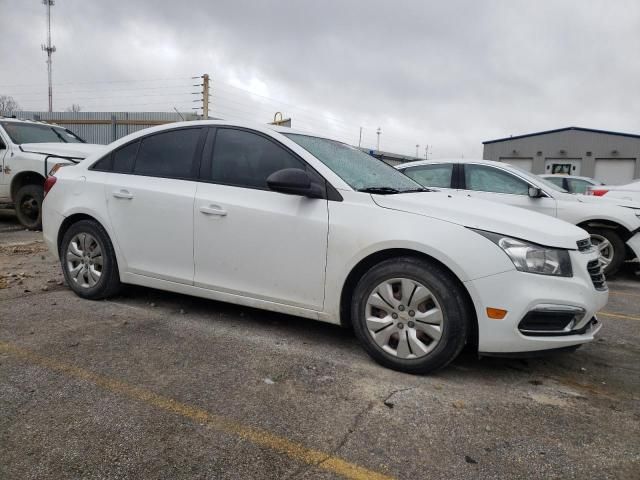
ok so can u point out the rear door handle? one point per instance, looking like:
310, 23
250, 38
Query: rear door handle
122, 193
213, 210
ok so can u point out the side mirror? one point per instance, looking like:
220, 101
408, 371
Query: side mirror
535, 192
294, 181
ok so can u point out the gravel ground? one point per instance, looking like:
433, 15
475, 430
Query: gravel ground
157, 385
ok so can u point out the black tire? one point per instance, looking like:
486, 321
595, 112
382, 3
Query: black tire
109, 282
452, 300
619, 248
28, 203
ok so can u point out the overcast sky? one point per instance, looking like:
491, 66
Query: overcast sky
445, 73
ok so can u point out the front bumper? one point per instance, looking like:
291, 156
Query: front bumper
521, 293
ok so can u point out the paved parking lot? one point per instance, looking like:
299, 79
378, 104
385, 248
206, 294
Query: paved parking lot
159, 385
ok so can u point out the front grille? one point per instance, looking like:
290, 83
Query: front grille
584, 245
597, 277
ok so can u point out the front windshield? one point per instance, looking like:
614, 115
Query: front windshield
537, 179
38, 133
359, 170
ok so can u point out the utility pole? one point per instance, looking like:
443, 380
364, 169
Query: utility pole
49, 48
417, 147
360, 138
426, 152
378, 132
205, 96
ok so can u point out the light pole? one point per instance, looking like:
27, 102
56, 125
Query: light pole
417, 147
378, 132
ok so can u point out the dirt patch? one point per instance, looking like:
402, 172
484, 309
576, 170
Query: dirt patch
23, 248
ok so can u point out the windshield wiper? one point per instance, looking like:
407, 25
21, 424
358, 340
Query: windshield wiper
379, 190
412, 190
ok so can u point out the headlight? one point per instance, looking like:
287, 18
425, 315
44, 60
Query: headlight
532, 258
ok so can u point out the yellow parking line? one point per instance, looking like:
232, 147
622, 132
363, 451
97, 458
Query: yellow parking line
256, 436
618, 315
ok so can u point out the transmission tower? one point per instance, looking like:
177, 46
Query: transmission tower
49, 48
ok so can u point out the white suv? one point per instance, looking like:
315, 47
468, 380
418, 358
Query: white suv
614, 227
270, 218
28, 150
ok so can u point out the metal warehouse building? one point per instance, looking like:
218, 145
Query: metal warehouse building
611, 157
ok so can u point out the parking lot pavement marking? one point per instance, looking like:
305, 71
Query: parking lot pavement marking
263, 438
618, 315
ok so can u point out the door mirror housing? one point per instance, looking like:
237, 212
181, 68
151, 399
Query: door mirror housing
535, 192
294, 181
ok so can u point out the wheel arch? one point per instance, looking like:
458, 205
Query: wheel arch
375, 258
70, 220
623, 231
21, 179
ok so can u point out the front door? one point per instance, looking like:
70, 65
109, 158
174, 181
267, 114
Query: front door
151, 209
249, 240
497, 185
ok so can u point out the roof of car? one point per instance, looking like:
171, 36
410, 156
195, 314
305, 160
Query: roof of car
448, 160
561, 175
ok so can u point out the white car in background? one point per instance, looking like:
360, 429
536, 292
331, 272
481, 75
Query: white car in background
614, 229
628, 192
270, 218
572, 183
28, 150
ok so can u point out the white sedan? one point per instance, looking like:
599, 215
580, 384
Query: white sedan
614, 226
284, 221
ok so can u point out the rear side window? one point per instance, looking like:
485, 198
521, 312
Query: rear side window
246, 159
123, 158
578, 186
168, 154
555, 180
432, 175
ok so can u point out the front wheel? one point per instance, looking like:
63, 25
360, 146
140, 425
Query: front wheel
610, 247
89, 261
410, 315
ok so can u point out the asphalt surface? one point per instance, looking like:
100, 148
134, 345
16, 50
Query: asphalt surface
158, 385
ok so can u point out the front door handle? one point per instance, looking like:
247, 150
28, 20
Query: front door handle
122, 193
213, 210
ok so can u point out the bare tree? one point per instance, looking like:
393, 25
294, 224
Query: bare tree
75, 107
8, 104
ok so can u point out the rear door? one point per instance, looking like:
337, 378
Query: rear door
498, 185
252, 241
150, 202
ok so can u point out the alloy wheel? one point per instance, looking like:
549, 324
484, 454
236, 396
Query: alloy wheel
605, 249
404, 318
84, 260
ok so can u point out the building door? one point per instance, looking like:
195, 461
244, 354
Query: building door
615, 171
565, 166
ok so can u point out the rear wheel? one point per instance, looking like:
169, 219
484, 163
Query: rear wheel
410, 315
89, 261
610, 247
28, 202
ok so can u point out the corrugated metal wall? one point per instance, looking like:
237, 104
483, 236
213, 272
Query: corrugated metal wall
103, 127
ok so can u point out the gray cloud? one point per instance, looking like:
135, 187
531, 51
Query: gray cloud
449, 74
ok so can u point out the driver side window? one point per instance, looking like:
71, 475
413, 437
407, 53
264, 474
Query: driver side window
489, 179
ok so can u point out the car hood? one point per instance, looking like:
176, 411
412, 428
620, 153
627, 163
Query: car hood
74, 150
485, 215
